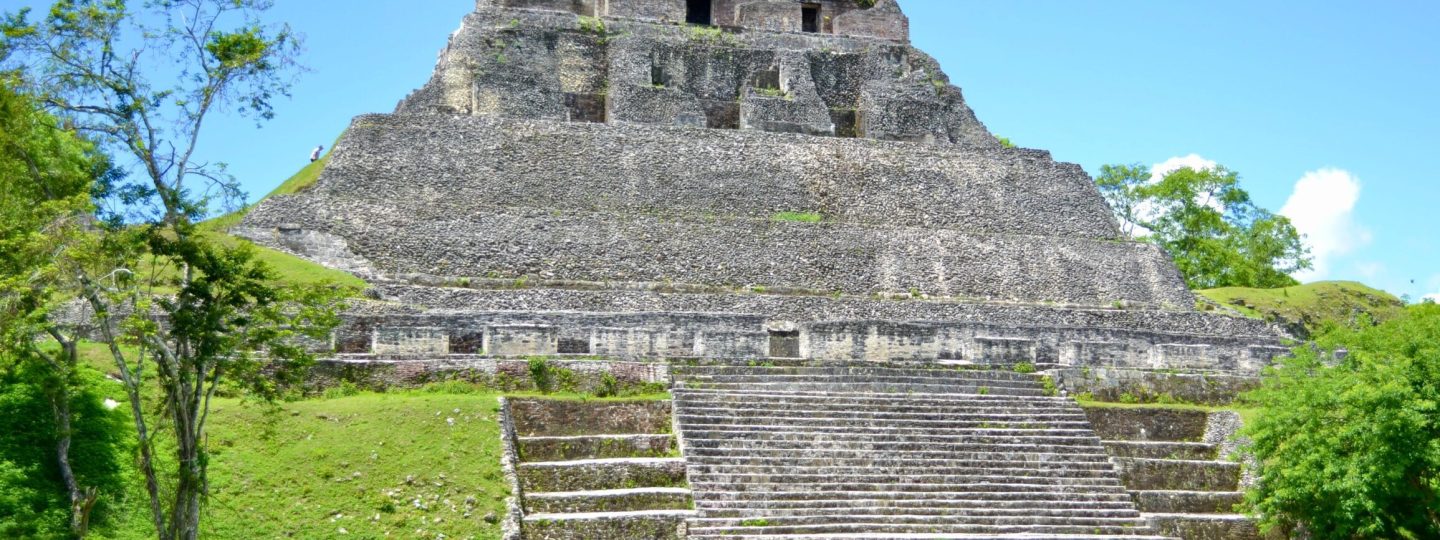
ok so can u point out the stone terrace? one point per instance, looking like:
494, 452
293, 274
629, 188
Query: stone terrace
867, 451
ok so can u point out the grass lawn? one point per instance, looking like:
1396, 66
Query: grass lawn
371, 465
1310, 305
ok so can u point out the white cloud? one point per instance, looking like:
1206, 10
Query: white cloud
1433, 284
1322, 208
1158, 171
1193, 161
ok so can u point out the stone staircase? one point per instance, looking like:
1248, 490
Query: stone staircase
868, 451
591, 470
1170, 459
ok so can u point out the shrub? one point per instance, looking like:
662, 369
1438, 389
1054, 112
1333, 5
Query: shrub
1351, 450
542, 375
1024, 367
609, 386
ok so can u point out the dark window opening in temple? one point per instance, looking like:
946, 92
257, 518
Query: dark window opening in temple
784, 344
467, 343
657, 75
573, 346
697, 12
768, 79
810, 17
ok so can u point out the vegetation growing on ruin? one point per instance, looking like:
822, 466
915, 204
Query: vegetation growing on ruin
1308, 309
797, 217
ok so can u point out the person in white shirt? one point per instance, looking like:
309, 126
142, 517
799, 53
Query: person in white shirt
315, 154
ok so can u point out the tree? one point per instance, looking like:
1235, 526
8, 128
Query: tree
1351, 449
200, 313
1216, 234
46, 176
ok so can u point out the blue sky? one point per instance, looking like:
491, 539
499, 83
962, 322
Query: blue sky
1330, 111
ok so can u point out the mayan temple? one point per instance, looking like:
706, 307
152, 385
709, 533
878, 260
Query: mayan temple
790, 216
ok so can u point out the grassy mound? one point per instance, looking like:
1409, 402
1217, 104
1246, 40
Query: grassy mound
1306, 309
289, 268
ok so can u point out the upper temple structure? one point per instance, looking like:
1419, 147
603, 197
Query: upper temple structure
728, 181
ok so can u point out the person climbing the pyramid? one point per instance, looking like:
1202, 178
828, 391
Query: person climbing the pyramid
315, 154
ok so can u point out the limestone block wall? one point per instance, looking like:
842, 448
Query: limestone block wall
841, 17
490, 197
374, 373
546, 64
657, 335
443, 167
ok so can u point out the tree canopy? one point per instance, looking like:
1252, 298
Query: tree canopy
1216, 234
1351, 449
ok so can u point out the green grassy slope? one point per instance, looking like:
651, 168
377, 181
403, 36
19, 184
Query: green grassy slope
374, 465
1304, 309
290, 269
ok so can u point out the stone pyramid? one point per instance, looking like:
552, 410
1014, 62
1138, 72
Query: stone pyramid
659, 179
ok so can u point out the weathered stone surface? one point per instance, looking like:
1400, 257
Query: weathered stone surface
643, 525
618, 500
407, 203
1228, 374
1187, 501
596, 447
649, 190
566, 418
1175, 474
1147, 423
1205, 526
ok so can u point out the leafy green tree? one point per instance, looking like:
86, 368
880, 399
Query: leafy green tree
197, 312
1216, 234
1351, 449
46, 176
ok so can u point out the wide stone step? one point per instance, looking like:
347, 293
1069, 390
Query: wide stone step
702, 381
1162, 450
874, 387
1187, 502
978, 499
732, 450
1167, 474
937, 422
948, 510
942, 528
856, 370
561, 418
793, 448
614, 500
641, 525
979, 469
894, 411
595, 447
941, 520
879, 479
1205, 526
602, 474
815, 435
752, 409
1001, 460
846, 399
912, 485
888, 428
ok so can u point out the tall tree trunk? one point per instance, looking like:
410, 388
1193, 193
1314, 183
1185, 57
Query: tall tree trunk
82, 500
